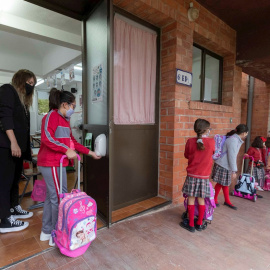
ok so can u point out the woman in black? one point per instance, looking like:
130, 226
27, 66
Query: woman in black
15, 100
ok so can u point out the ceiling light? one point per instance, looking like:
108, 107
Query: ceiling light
77, 67
40, 81
6, 5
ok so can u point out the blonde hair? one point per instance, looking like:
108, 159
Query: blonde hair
18, 81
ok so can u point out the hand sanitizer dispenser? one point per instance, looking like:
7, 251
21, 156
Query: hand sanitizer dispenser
100, 145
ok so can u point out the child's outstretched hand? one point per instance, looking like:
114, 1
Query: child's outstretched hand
71, 154
93, 155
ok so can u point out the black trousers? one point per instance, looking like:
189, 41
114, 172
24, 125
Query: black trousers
14, 192
10, 172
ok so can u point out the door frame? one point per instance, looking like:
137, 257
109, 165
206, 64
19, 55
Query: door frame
85, 72
117, 10
111, 10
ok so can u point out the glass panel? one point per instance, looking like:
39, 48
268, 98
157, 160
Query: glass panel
211, 85
96, 38
196, 74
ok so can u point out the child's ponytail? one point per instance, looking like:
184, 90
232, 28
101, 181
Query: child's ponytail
200, 127
54, 99
57, 97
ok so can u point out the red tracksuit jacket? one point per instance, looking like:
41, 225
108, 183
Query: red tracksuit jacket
55, 140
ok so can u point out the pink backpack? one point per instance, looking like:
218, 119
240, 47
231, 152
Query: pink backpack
77, 223
267, 181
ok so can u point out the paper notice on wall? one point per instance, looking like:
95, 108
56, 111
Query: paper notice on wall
71, 73
97, 85
63, 81
54, 81
208, 89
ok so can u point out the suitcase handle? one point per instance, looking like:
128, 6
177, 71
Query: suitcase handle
246, 156
61, 174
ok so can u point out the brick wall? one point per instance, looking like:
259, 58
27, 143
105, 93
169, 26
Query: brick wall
177, 111
260, 112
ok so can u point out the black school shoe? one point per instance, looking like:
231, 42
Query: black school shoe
231, 206
18, 212
200, 227
185, 224
10, 224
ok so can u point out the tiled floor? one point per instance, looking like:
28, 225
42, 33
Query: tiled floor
236, 240
19, 245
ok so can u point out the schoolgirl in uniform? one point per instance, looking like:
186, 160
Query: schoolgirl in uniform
199, 153
56, 140
257, 151
225, 168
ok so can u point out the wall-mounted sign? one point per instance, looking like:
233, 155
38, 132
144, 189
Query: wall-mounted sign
183, 77
97, 90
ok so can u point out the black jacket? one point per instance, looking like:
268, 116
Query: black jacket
13, 116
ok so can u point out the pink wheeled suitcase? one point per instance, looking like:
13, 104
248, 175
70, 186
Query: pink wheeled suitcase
245, 187
267, 181
77, 223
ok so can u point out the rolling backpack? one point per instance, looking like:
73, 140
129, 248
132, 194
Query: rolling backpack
77, 223
267, 181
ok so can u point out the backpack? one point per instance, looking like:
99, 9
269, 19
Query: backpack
219, 142
77, 225
267, 181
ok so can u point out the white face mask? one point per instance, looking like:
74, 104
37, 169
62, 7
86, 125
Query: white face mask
207, 134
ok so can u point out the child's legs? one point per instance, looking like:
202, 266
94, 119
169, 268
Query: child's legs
261, 176
191, 209
217, 190
50, 210
201, 207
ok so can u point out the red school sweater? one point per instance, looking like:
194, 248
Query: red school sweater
257, 154
55, 140
199, 161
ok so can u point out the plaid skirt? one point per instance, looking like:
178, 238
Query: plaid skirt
258, 174
221, 175
196, 187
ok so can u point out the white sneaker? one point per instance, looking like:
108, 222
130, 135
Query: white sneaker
51, 242
44, 236
10, 224
259, 188
18, 212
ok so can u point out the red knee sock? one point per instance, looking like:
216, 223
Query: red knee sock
191, 209
217, 190
201, 214
226, 194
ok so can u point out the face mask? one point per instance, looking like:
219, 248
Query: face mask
29, 89
69, 112
207, 134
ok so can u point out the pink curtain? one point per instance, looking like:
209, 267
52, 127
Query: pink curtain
134, 74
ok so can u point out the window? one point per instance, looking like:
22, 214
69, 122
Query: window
207, 76
43, 102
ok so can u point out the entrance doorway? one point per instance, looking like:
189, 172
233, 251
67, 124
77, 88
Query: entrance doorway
124, 52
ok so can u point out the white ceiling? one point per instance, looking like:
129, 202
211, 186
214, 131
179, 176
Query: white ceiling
41, 15
21, 45
29, 38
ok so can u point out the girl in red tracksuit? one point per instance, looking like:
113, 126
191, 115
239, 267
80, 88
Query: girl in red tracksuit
199, 153
56, 140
